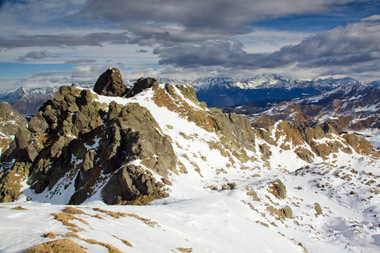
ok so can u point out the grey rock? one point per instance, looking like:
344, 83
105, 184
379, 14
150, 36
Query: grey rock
38, 123
279, 189
142, 84
110, 83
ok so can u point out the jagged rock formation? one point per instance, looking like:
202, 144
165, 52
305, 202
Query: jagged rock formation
110, 83
82, 145
142, 84
55, 146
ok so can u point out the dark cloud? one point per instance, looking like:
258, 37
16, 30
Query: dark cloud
172, 21
217, 53
342, 46
49, 74
169, 35
81, 61
200, 13
92, 39
354, 47
37, 55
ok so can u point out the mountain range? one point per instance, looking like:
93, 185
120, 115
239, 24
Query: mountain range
350, 107
215, 91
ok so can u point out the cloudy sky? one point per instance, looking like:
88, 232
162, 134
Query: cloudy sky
55, 42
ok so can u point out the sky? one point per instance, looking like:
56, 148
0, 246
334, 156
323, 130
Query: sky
59, 42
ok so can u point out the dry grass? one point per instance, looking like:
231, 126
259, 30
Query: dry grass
145, 220
111, 248
116, 215
185, 250
50, 235
72, 210
65, 218
19, 208
57, 246
67, 215
124, 241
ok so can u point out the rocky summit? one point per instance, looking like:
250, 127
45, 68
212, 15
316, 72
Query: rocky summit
157, 142
110, 83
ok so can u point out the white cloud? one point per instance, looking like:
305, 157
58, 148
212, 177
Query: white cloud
371, 18
267, 41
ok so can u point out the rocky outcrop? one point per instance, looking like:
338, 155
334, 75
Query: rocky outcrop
318, 209
10, 121
278, 189
287, 212
236, 133
75, 140
142, 84
308, 143
132, 185
110, 83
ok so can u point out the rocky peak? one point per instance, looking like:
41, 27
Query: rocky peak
110, 83
86, 143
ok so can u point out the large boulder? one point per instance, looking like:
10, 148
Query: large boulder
110, 83
38, 123
278, 189
142, 84
132, 184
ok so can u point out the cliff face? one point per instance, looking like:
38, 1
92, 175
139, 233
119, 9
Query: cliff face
134, 146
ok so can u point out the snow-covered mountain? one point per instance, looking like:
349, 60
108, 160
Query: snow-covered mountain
226, 91
28, 101
349, 107
266, 81
214, 183
215, 91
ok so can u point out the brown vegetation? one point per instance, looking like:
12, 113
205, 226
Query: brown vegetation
57, 246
